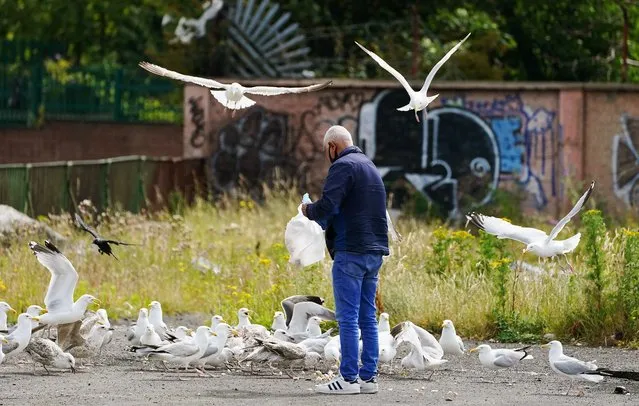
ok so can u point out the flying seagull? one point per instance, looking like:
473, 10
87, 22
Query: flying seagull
232, 96
418, 100
537, 241
103, 245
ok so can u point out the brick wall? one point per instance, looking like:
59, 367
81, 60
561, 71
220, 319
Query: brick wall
71, 140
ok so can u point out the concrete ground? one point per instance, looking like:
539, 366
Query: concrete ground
120, 381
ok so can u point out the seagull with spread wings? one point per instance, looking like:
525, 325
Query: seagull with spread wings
102, 244
232, 96
61, 309
537, 241
418, 100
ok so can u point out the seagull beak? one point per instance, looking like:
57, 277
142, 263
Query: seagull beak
4, 340
35, 318
72, 369
43, 311
545, 346
111, 328
97, 301
13, 310
472, 350
235, 333
189, 331
213, 333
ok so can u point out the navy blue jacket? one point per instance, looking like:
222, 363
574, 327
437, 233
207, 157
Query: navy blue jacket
352, 208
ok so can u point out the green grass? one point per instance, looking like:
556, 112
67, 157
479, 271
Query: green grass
435, 273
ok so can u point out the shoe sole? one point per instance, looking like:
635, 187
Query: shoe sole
371, 392
338, 393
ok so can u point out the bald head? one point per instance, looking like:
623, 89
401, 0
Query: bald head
338, 135
336, 139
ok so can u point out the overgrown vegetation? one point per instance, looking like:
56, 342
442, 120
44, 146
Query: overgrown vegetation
216, 258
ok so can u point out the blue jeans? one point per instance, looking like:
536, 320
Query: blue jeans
354, 285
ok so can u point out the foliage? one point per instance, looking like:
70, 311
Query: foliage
511, 39
629, 284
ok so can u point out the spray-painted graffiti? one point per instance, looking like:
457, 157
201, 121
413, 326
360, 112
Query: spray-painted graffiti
625, 161
197, 118
249, 149
465, 148
522, 133
456, 155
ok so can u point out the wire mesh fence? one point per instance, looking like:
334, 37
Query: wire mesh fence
132, 183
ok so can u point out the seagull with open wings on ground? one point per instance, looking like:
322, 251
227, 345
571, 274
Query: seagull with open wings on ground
61, 309
418, 100
102, 244
232, 96
537, 241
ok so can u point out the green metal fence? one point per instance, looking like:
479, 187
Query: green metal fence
128, 183
34, 87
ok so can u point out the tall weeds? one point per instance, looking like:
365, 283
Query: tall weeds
215, 258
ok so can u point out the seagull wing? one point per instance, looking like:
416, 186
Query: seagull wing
304, 311
274, 91
63, 277
160, 71
288, 304
572, 366
10, 347
389, 69
503, 229
505, 360
438, 65
86, 228
580, 204
428, 340
179, 349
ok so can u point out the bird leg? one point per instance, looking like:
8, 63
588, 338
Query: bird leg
290, 374
431, 375
178, 373
570, 387
45, 368
416, 116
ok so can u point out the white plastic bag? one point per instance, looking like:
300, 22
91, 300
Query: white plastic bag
304, 239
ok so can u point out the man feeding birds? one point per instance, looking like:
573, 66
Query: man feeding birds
352, 210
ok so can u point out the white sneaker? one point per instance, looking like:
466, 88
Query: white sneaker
369, 386
338, 386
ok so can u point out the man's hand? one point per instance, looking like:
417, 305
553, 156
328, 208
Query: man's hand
304, 209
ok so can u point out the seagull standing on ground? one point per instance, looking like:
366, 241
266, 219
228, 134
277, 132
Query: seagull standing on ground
418, 100
4, 308
233, 95
451, 343
47, 353
537, 241
19, 338
569, 366
155, 318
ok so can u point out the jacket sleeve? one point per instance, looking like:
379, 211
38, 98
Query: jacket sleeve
338, 183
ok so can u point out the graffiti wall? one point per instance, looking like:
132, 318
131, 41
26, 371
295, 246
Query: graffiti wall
470, 142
